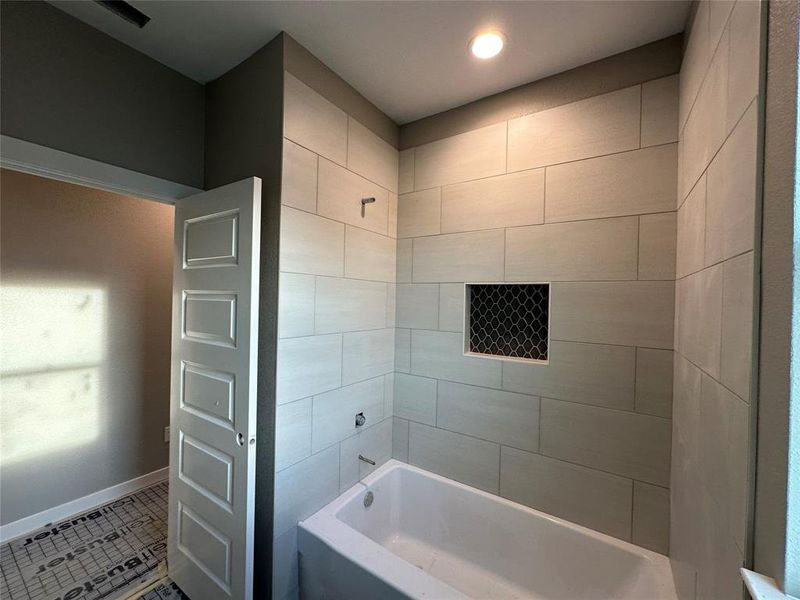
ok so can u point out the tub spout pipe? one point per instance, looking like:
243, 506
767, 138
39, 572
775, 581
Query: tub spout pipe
366, 460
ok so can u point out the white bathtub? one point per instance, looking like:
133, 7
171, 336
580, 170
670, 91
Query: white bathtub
425, 536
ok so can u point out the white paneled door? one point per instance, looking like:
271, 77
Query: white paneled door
213, 402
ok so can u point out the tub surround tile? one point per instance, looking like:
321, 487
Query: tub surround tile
349, 305
472, 155
737, 324
584, 496
630, 313
660, 111
374, 443
440, 354
587, 373
699, 318
418, 305
451, 307
304, 488
339, 198
400, 439
369, 255
286, 566
654, 382
639, 447
296, 305
501, 201
406, 171
651, 517
731, 199
581, 251
388, 392
459, 257
690, 254
415, 398
370, 156
744, 57
299, 377
292, 433
503, 417
630, 183
313, 122
419, 213
402, 350
657, 246
299, 177
697, 56
311, 244
366, 354
460, 457
392, 218
593, 127
333, 413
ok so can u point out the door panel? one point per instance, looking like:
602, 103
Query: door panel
213, 402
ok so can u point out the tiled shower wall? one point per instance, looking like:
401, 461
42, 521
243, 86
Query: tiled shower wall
717, 199
583, 196
335, 314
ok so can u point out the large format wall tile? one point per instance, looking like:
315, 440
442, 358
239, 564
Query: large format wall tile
590, 498
349, 305
311, 244
334, 412
651, 517
639, 447
654, 382
371, 157
581, 251
630, 183
630, 313
586, 373
308, 366
404, 259
313, 122
458, 257
299, 177
660, 111
374, 443
440, 354
731, 200
737, 324
402, 350
419, 213
292, 433
592, 127
415, 398
744, 59
690, 253
460, 457
296, 305
400, 439
451, 307
472, 155
405, 169
657, 239
369, 255
699, 318
339, 197
503, 417
418, 305
367, 354
502, 201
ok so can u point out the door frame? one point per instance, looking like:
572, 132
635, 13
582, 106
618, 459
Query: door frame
34, 159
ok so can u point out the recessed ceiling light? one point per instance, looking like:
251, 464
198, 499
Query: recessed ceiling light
487, 45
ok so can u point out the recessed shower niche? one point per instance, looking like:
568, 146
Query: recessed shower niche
507, 320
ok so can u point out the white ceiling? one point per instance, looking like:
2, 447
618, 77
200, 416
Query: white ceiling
410, 58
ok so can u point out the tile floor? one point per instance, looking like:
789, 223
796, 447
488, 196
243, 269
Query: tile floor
101, 553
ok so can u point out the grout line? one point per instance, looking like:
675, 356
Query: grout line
641, 112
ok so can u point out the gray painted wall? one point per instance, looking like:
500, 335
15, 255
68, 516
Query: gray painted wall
68, 86
86, 307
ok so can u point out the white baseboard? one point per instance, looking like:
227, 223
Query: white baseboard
57, 513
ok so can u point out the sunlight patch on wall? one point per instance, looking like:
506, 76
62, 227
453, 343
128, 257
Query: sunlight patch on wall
52, 351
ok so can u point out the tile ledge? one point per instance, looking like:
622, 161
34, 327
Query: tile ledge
762, 587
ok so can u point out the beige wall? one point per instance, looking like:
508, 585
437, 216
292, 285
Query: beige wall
86, 306
717, 200
581, 195
335, 314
